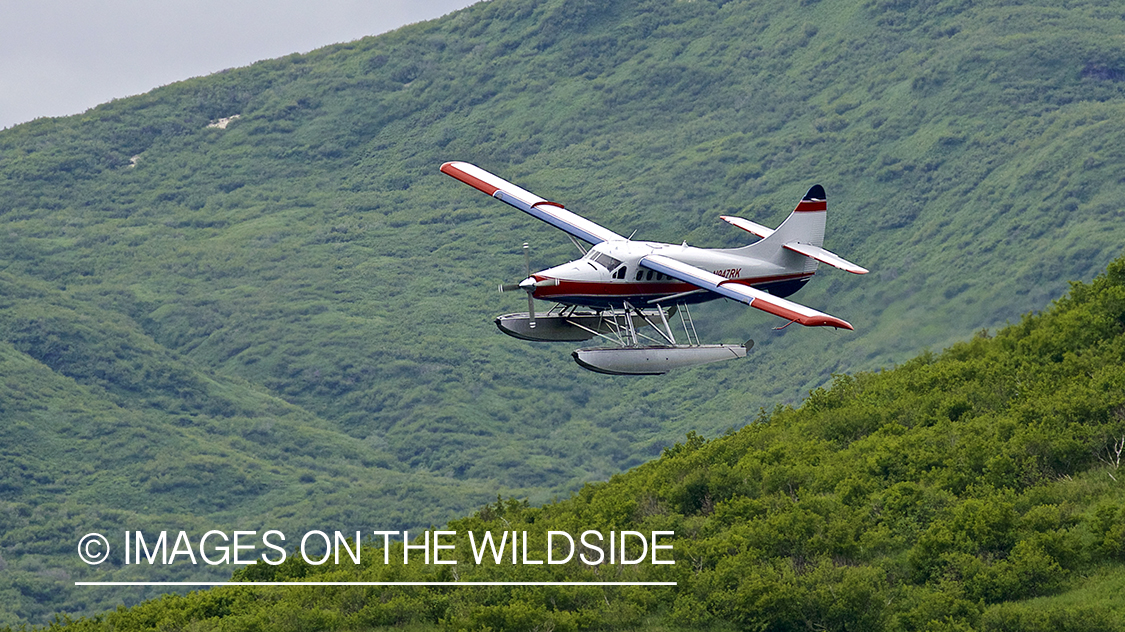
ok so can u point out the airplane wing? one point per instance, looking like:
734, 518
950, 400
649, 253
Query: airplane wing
743, 293
535, 206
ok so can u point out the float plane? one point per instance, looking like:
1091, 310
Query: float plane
620, 285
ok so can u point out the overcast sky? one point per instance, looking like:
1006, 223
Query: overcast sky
62, 57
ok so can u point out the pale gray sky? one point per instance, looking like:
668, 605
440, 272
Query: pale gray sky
61, 57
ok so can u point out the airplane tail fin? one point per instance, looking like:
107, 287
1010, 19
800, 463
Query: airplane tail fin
806, 223
799, 241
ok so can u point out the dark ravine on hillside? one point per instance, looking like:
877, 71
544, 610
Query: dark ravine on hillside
288, 320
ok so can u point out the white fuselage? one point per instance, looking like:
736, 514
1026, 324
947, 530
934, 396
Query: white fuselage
610, 275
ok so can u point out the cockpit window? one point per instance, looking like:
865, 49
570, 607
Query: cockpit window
609, 262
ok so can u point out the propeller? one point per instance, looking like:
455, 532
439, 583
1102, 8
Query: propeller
527, 285
512, 287
530, 287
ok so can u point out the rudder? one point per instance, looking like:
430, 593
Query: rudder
806, 223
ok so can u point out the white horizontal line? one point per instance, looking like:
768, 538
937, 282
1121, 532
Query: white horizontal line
375, 583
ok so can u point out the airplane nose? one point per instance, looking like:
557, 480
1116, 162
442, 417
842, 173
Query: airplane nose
531, 283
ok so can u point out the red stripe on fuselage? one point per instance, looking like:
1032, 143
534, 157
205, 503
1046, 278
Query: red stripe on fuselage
618, 289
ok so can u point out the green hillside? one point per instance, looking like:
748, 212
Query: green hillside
288, 319
106, 430
976, 489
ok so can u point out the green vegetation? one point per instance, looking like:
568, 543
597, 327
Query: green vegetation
978, 489
286, 323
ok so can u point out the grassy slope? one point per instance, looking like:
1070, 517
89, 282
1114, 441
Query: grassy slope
971, 490
311, 252
105, 430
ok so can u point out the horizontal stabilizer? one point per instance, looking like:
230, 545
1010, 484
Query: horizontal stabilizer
825, 256
526, 201
748, 226
743, 293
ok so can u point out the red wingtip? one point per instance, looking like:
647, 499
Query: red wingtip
827, 321
452, 169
